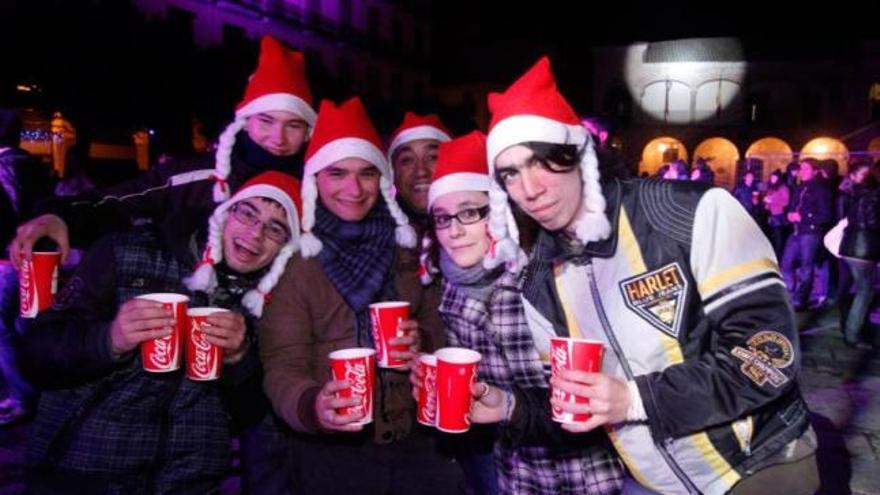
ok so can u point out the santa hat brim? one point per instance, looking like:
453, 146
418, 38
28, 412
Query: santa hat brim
416, 133
527, 128
343, 148
279, 101
463, 181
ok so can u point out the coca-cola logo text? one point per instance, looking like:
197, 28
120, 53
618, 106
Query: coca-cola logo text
430, 384
204, 358
559, 362
377, 332
560, 358
162, 352
28, 290
356, 374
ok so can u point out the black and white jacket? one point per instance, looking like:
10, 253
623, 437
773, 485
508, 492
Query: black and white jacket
687, 298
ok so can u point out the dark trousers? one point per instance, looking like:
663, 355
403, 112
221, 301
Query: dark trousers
333, 466
265, 465
798, 264
777, 236
11, 329
863, 276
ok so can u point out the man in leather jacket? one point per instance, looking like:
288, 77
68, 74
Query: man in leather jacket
698, 388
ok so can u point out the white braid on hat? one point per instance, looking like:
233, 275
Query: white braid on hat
309, 244
404, 233
593, 225
222, 158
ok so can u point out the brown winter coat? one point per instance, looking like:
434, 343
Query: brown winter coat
307, 319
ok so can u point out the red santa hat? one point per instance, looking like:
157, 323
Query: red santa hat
461, 166
415, 127
279, 83
273, 185
345, 131
532, 109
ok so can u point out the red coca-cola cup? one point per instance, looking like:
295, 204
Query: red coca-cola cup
456, 372
427, 411
164, 354
573, 354
38, 282
358, 367
386, 316
204, 360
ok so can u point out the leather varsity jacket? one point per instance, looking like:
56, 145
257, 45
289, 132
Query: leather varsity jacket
687, 298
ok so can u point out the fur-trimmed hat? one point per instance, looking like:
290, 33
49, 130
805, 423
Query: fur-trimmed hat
414, 127
533, 110
345, 131
273, 185
279, 83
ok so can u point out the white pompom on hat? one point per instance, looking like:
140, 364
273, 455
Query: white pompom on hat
533, 110
279, 83
345, 131
273, 185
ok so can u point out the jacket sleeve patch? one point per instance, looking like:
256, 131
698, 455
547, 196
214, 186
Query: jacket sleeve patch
767, 354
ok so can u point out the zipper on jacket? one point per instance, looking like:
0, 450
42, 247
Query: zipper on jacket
609, 334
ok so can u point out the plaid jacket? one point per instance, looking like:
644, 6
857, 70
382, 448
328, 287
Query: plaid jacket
561, 463
108, 426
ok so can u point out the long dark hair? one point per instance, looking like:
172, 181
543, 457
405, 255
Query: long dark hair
780, 176
562, 158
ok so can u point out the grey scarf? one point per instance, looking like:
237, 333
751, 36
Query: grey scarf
475, 281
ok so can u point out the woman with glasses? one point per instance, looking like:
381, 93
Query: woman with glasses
104, 424
482, 310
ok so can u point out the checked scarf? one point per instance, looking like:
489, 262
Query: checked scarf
357, 258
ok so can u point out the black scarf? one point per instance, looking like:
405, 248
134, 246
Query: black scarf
251, 158
357, 258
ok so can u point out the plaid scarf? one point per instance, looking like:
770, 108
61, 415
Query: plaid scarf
357, 258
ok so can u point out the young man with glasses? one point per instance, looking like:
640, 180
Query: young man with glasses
272, 123
104, 425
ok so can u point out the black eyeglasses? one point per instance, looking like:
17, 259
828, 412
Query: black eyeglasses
464, 217
248, 215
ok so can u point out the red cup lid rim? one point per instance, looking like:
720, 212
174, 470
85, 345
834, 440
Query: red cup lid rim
205, 311
457, 355
389, 304
575, 339
428, 359
353, 352
164, 297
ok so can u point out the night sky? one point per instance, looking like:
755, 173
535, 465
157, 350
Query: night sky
99, 61
494, 40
